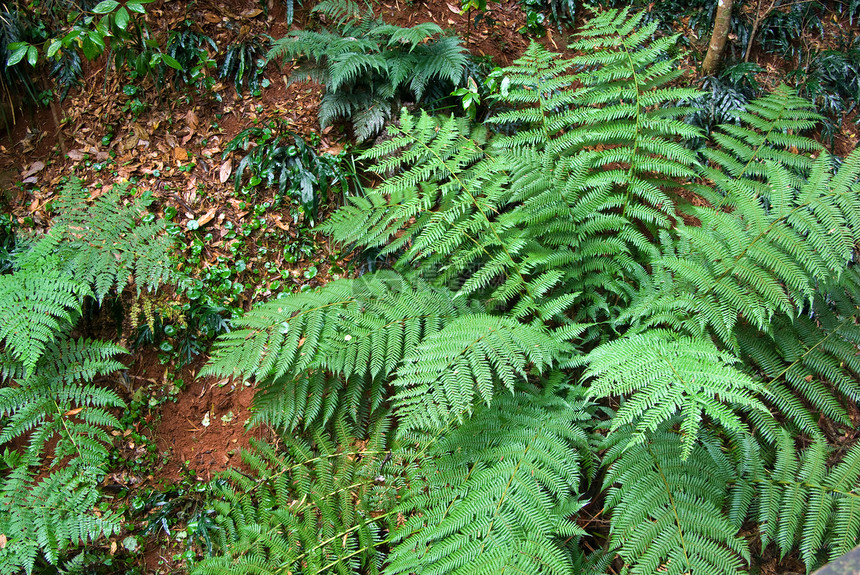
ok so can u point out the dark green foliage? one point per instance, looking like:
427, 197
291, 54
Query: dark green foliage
831, 79
369, 67
779, 33
725, 95
244, 62
191, 50
281, 158
14, 80
560, 260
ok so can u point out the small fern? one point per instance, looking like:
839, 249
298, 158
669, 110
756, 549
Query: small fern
369, 67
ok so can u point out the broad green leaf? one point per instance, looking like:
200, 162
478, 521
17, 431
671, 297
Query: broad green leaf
171, 62
122, 18
17, 54
91, 52
137, 6
32, 55
53, 48
105, 6
97, 39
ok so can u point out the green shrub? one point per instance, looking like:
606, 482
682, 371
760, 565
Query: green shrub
48, 374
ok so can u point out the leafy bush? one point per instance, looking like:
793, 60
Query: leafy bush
190, 48
726, 94
831, 79
282, 158
557, 323
369, 68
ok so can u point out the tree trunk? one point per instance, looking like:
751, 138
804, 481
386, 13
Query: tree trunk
722, 25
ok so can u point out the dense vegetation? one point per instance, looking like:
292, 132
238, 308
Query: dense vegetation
618, 295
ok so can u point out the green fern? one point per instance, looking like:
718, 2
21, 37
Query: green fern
36, 307
49, 403
803, 500
50, 516
57, 402
565, 249
313, 509
312, 352
109, 243
667, 507
671, 376
467, 360
369, 67
495, 494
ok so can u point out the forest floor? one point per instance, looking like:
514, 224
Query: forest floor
175, 149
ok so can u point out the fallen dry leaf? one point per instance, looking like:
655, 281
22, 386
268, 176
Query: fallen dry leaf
35, 168
192, 120
207, 217
76, 155
226, 168
181, 154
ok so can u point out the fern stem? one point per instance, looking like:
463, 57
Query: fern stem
630, 173
285, 567
672, 502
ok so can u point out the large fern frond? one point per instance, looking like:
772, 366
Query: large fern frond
667, 507
497, 492
669, 375
464, 363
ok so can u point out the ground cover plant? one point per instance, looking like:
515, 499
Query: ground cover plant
586, 313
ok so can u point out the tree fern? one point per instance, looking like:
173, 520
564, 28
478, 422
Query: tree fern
564, 247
